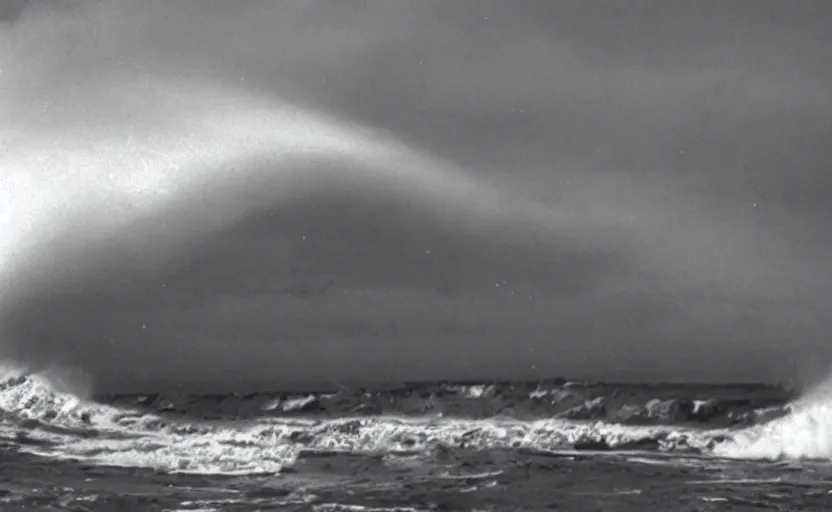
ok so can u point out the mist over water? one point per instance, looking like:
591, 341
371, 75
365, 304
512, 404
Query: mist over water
206, 197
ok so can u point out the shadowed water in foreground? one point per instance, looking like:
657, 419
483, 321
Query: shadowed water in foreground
459, 480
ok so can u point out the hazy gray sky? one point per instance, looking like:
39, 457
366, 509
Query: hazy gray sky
660, 173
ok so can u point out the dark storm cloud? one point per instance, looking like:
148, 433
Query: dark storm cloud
328, 271
683, 144
10, 9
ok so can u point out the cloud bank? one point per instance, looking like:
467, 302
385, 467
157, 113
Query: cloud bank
206, 195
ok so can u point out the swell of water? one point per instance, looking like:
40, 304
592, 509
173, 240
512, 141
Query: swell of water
38, 419
805, 433
47, 414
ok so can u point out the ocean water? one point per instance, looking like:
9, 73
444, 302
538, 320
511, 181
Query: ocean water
550, 445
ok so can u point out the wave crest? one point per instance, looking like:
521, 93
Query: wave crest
805, 433
39, 418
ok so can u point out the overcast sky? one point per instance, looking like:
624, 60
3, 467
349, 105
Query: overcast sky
611, 190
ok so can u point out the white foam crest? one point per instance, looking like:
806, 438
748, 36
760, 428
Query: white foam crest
341, 507
225, 451
32, 397
268, 445
383, 434
105, 435
71, 428
804, 433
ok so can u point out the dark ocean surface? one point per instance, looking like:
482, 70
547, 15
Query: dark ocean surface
551, 445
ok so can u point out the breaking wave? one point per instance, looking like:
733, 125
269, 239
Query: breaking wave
266, 433
805, 433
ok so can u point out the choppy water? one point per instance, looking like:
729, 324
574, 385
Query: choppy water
426, 446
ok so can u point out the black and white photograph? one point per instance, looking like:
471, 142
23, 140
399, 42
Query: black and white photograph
416, 255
